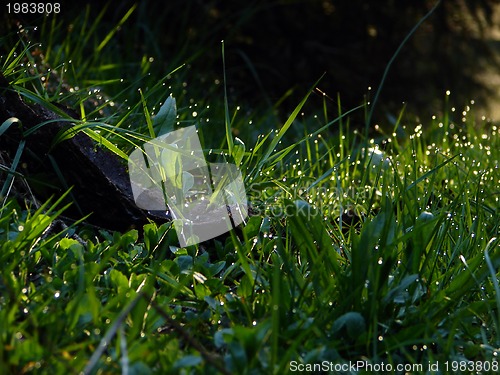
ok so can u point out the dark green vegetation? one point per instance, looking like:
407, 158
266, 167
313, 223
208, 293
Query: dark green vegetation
362, 245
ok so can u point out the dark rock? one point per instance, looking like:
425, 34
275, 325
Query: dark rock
99, 179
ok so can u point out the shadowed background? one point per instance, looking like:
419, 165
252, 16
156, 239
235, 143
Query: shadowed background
272, 47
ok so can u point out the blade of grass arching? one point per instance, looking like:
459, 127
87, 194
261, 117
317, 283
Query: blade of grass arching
32, 78
227, 121
115, 29
260, 144
280, 101
286, 126
10, 65
101, 82
278, 156
41, 101
106, 143
493, 273
272, 159
308, 148
334, 121
67, 133
326, 175
85, 34
10, 55
389, 64
62, 135
378, 174
429, 173
395, 142
251, 176
49, 22
87, 128
128, 136
74, 46
8, 123
271, 148
13, 167
152, 91
475, 274
251, 67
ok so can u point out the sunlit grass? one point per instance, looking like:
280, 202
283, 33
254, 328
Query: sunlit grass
377, 246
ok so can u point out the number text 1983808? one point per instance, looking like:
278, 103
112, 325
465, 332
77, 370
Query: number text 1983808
33, 8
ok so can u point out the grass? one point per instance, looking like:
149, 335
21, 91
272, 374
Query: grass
378, 247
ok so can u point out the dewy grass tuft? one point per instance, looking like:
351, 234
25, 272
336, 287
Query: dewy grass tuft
380, 247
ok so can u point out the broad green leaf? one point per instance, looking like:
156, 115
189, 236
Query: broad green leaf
353, 323
164, 121
68, 243
119, 280
185, 263
220, 340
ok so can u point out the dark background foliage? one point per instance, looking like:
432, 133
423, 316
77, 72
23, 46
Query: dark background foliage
274, 46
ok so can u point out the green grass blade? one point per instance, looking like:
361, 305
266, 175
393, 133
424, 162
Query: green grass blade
110, 35
389, 64
227, 120
429, 173
494, 279
15, 162
8, 123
